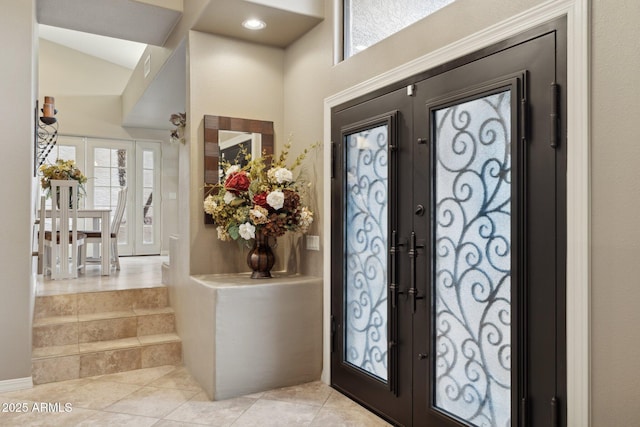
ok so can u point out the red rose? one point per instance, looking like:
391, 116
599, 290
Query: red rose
261, 200
237, 182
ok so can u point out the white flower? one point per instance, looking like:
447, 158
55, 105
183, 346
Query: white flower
275, 199
306, 219
232, 169
280, 175
223, 234
247, 231
209, 204
258, 215
229, 197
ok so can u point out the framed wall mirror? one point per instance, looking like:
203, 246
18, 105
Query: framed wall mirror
225, 138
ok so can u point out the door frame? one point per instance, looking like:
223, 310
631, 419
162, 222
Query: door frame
578, 173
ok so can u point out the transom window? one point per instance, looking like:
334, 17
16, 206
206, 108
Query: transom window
366, 22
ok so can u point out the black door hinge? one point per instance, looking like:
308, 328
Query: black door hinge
524, 113
553, 116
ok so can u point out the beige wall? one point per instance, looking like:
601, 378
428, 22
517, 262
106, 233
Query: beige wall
227, 78
18, 89
615, 205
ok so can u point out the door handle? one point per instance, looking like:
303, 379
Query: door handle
413, 254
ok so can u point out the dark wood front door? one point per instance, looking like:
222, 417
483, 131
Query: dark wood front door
448, 249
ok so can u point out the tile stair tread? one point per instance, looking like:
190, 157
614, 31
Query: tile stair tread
159, 339
55, 351
97, 291
100, 346
150, 311
118, 344
74, 297
105, 315
55, 320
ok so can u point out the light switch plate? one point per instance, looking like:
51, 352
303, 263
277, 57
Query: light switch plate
313, 243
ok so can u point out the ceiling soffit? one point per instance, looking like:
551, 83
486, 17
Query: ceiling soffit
284, 26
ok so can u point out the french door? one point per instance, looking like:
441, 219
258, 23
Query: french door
448, 249
111, 165
136, 165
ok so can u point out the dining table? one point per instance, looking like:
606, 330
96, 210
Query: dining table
101, 222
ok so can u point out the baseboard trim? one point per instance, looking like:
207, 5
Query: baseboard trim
16, 384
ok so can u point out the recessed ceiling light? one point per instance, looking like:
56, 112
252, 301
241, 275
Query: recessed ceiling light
254, 24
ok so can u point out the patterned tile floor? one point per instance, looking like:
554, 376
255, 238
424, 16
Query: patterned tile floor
167, 396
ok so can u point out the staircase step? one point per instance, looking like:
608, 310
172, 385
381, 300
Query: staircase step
105, 326
98, 302
153, 321
105, 357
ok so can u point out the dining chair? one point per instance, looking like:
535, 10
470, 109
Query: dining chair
96, 236
64, 245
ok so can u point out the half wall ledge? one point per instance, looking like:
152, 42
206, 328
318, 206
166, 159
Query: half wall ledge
264, 334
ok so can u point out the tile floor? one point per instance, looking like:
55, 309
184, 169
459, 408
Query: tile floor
135, 272
165, 396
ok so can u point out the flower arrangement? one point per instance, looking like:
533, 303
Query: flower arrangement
261, 197
63, 170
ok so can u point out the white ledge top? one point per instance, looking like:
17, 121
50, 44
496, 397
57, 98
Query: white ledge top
245, 280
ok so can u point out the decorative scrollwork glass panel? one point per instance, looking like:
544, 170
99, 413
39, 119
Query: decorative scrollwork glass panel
366, 249
473, 260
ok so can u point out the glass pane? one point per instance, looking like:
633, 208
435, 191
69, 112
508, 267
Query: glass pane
147, 159
147, 196
101, 175
102, 157
66, 152
101, 197
123, 233
369, 21
114, 177
473, 260
122, 178
148, 215
366, 249
147, 234
147, 178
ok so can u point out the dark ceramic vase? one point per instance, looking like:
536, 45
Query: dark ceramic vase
261, 258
